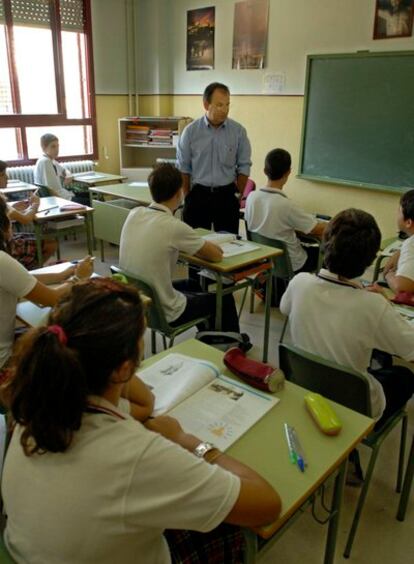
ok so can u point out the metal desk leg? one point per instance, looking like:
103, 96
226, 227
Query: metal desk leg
38, 236
89, 232
408, 482
335, 513
219, 301
267, 315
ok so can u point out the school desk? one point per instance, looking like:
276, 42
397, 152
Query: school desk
110, 214
17, 187
96, 178
241, 270
264, 449
50, 210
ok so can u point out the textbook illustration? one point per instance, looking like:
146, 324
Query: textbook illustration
205, 402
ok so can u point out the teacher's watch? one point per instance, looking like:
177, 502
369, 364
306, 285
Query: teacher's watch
202, 449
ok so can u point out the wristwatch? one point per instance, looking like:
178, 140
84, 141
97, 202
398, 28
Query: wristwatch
202, 449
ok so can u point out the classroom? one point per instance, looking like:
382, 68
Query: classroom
131, 58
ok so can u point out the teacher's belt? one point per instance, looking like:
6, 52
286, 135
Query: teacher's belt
216, 189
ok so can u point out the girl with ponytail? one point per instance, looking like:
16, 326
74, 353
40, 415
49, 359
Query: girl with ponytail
85, 482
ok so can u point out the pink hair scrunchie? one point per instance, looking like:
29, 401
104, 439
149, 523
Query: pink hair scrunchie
59, 332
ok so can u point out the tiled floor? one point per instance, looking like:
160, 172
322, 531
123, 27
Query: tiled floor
381, 539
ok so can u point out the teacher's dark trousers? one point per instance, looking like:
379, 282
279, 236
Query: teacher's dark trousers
215, 208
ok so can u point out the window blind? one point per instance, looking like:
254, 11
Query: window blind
36, 13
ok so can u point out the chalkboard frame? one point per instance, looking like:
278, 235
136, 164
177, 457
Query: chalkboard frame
328, 179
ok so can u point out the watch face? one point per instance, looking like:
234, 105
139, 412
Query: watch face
202, 449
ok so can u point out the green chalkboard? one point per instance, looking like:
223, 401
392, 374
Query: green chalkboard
358, 120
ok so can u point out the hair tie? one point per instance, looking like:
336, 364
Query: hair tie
59, 332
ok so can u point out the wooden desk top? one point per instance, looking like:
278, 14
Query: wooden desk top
48, 212
134, 191
238, 262
92, 178
264, 446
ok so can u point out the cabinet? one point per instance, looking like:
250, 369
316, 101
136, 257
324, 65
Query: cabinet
145, 140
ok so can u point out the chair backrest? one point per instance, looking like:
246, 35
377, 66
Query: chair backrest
156, 316
335, 382
282, 266
250, 186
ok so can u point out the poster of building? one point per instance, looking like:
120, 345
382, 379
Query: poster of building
250, 34
200, 39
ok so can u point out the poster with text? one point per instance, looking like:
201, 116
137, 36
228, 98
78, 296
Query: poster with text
200, 39
250, 34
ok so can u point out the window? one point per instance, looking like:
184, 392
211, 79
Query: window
46, 78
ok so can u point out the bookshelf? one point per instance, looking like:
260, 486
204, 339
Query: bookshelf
144, 140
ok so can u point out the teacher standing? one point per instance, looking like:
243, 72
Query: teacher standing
214, 157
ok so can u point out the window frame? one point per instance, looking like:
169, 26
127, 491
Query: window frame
21, 121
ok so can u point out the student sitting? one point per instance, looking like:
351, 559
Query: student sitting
331, 315
270, 213
399, 269
151, 240
23, 245
105, 485
16, 282
48, 172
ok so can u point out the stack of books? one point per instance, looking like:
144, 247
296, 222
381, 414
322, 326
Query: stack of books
137, 134
161, 136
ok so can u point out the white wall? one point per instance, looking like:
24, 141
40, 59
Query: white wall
109, 46
296, 28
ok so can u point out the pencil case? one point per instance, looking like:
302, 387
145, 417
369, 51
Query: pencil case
323, 414
255, 373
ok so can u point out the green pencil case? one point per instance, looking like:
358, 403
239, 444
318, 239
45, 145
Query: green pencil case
323, 414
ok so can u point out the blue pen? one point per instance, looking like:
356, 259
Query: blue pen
300, 456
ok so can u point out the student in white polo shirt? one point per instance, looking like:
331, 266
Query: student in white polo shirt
399, 269
151, 241
272, 214
84, 482
331, 315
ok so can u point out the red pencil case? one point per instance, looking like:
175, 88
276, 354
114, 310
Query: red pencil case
255, 373
404, 298
72, 207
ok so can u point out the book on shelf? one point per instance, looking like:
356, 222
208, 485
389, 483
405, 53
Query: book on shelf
206, 403
230, 244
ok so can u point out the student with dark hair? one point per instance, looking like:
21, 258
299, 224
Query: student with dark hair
151, 240
16, 282
105, 485
272, 214
23, 245
399, 269
331, 315
214, 156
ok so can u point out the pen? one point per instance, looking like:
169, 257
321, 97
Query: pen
47, 210
297, 447
292, 454
236, 243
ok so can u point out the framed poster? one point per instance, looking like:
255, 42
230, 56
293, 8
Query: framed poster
250, 34
200, 39
393, 18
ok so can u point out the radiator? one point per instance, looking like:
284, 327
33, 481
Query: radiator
25, 173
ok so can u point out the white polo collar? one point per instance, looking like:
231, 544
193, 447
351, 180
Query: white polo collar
277, 191
325, 274
159, 207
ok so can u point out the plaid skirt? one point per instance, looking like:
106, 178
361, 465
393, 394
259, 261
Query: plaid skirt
223, 545
23, 249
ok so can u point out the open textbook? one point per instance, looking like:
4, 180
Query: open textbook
229, 243
207, 404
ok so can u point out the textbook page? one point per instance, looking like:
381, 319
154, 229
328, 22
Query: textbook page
176, 377
230, 245
223, 411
